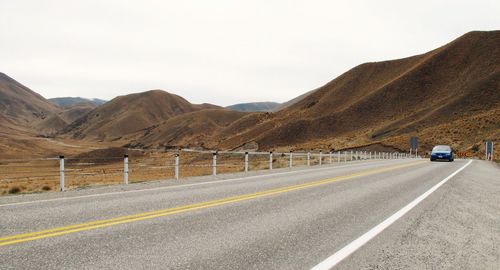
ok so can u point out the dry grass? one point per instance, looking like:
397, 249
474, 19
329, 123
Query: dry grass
38, 175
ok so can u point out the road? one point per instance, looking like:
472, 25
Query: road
282, 220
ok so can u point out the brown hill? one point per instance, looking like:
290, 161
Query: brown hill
23, 109
21, 106
448, 95
128, 114
386, 100
74, 112
26, 118
194, 129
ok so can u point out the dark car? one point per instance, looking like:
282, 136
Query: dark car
442, 152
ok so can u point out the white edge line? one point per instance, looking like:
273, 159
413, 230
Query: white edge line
340, 255
181, 186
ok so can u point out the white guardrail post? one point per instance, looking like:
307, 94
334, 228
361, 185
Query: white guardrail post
351, 155
246, 162
125, 169
61, 173
270, 160
176, 165
214, 164
308, 158
338, 156
330, 156
290, 162
320, 157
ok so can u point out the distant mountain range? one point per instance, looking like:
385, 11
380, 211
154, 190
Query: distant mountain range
71, 101
254, 107
450, 95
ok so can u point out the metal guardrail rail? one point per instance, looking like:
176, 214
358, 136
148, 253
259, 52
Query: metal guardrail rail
172, 164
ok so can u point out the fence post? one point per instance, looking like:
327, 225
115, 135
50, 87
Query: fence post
351, 155
246, 162
308, 158
176, 165
330, 153
125, 169
214, 164
338, 156
291, 160
61, 172
270, 160
320, 157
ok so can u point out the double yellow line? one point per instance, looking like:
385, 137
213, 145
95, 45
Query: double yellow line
26, 237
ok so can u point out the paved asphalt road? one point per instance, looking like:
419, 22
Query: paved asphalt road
284, 220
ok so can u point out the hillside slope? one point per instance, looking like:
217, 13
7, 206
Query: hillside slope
23, 109
194, 129
392, 100
131, 113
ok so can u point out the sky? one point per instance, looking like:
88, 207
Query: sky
220, 52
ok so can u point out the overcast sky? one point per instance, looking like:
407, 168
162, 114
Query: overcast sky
220, 52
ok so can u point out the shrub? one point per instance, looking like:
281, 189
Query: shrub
14, 190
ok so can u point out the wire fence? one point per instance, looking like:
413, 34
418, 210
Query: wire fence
61, 173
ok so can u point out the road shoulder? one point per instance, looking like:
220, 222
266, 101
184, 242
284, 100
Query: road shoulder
455, 228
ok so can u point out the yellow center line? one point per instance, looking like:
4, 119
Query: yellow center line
25, 237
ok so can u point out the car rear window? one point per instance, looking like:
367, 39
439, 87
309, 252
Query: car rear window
441, 148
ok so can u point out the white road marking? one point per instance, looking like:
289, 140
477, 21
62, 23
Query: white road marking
185, 185
340, 255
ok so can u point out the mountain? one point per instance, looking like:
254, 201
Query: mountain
26, 118
448, 95
254, 107
131, 113
23, 109
72, 101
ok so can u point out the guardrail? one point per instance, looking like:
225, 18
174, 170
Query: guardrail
30, 175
